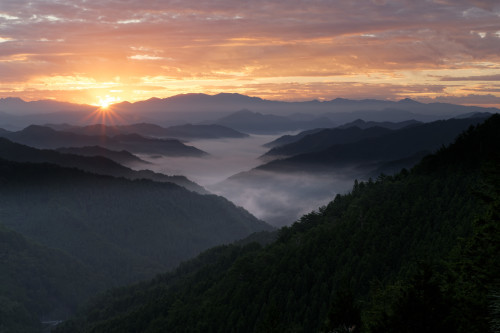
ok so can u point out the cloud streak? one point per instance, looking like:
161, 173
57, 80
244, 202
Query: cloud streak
243, 43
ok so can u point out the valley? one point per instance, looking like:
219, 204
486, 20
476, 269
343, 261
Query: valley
120, 204
272, 166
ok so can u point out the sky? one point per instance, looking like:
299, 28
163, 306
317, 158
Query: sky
104, 51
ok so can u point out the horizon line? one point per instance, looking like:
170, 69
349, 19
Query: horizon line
110, 105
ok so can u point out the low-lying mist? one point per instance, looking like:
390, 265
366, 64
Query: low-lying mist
227, 157
279, 199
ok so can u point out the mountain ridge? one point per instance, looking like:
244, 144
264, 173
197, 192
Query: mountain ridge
412, 252
185, 131
95, 164
46, 137
212, 102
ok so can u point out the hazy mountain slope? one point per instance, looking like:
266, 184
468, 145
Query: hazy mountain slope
391, 114
227, 102
286, 139
128, 230
40, 284
186, 131
207, 108
95, 164
360, 123
4, 131
46, 137
202, 108
255, 122
394, 145
399, 254
122, 157
17, 106
325, 138
203, 132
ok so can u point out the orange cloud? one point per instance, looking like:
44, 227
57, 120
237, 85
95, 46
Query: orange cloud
75, 50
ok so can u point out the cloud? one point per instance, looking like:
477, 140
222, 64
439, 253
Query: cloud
495, 78
255, 41
145, 57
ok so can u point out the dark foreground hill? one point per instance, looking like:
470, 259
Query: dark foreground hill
114, 230
126, 229
39, 283
413, 252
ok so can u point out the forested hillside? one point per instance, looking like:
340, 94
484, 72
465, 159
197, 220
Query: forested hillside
413, 252
127, 229
39, 284
83, 233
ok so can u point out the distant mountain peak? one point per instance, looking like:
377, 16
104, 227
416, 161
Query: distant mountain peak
12, 99
409, 101
38, 129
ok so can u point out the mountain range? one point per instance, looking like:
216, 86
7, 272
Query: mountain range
122, 157
255, 122
96, 163
186, 131
326, 162
318, 140
202, 108
46, 137
352, 147
230, 102
359, 123
413, 252
411, 246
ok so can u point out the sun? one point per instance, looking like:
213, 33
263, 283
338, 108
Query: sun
105, 102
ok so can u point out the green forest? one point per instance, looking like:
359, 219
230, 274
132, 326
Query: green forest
416, 251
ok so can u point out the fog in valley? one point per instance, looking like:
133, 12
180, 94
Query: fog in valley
227, 157
276, 198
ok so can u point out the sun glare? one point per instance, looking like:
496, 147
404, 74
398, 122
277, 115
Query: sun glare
105, 102
105, 114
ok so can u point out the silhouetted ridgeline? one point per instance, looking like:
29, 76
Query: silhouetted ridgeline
413, 252
12, 151
122, 157
336, 148
46, 137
